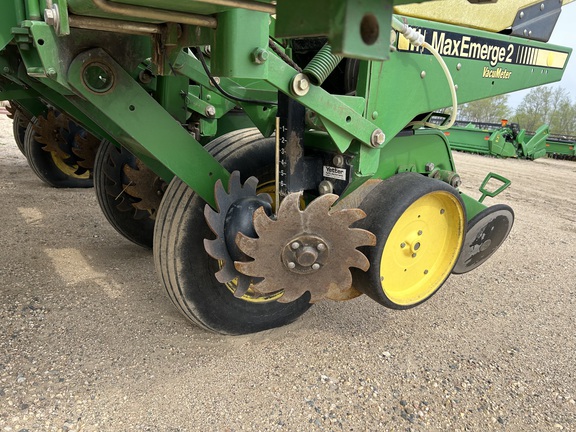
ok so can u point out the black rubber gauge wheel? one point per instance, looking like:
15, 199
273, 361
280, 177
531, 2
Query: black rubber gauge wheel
129, 193
186, 270
19, 124
419, 223
52, 146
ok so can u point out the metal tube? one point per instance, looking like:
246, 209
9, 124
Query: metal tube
33, 8
243, 4
155, 14
116, 26
20, 11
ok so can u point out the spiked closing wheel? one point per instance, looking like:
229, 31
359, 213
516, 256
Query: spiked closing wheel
305, 250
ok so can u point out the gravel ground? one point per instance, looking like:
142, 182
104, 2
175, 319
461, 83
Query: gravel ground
90, 342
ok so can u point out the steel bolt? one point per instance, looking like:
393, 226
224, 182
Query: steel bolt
338, 161
423, 74
325, 187
377, 138
420, 232
295, 245
49, 17
51, 72
413, 255
6, 69
459, 66
321, 247
291, 265
442, 211
425, 271
429, 166
402, 245
542, 7
259, 56
455, 181
210, 111
315, 266
521, 15
300, 84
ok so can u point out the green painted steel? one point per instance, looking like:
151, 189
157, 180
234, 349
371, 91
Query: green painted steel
145, 128
353, 31
146, 113
504, 141
559, 147
8, 19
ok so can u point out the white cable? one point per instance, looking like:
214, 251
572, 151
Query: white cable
416, 39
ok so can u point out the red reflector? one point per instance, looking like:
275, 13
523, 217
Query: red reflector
486, 138
447, 133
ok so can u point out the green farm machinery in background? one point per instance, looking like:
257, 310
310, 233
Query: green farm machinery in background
501, 140
561, 147
273, 154
508, 140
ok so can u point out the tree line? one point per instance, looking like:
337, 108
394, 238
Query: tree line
542, 105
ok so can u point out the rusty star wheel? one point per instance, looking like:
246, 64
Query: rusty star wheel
235, 209
308, 250
129, 193
188, 272
59, 151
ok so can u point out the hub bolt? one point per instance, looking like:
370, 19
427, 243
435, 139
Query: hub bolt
321, 247
291, 265
259, 56
377, 138
295, 245
210, 111
300, 85
315, 266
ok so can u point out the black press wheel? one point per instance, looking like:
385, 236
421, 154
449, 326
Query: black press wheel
49, 145
486, 233
185, 269
419, 223
128, 192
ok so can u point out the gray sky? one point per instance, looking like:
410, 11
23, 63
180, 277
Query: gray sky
564, 34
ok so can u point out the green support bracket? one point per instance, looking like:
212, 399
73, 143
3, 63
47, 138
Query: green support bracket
263, 116
239, 33
355, 28
8, 19
323, 103
143, 126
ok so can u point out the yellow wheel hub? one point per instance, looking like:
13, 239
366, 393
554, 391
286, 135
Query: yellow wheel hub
422, 248
69, 170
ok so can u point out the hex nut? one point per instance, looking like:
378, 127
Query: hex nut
377, 138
